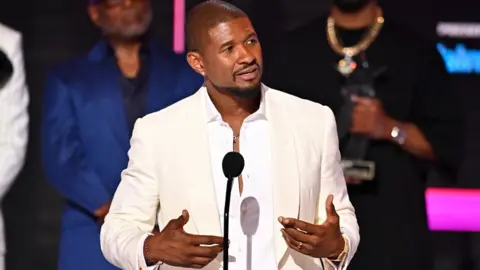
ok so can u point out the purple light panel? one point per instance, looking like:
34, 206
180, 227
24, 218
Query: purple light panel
453, 209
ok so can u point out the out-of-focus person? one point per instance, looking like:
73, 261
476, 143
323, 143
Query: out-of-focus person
402, 118
91, 104
14, 118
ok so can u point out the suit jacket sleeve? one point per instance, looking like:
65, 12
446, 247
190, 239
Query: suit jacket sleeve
65, 163
13, 118
134, 206
333, 182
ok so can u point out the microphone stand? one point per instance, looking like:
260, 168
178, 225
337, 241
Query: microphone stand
226, 214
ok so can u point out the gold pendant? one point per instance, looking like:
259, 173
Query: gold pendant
346, 66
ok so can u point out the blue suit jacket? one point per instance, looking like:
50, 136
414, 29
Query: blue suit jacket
85, 138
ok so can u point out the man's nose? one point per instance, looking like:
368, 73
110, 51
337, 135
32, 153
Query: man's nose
245, 56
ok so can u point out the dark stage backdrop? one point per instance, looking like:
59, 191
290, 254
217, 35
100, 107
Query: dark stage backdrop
56, 30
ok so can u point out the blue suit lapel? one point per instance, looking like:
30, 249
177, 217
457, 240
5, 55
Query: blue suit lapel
106, 80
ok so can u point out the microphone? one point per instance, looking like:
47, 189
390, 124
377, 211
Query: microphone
6, 69
232, 166
249, 218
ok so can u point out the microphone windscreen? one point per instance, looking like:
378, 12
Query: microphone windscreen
249, 215
6, 69
233, 164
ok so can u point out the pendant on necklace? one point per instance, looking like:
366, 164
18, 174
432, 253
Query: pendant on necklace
346, 66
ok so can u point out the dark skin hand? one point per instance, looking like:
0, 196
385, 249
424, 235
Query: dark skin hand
370, 119
102, 212
174, 247
318, 241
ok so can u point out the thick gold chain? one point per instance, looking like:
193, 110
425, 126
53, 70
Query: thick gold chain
361, 46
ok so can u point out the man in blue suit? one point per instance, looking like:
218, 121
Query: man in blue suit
91, 105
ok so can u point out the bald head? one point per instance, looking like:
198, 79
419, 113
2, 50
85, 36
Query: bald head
206, 16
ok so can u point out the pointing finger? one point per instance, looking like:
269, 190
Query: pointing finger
206, 240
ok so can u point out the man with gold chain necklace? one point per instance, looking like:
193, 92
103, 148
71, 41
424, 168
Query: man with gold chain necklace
411, 121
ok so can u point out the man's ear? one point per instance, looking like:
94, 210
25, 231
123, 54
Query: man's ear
93, 13
194, 59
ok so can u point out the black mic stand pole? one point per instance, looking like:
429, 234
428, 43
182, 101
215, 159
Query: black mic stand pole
226, 214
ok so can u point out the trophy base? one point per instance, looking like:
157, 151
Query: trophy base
361, 170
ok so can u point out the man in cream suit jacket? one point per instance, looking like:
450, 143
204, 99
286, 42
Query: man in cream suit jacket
13, 118
289, 209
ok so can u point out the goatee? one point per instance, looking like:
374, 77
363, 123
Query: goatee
247, 93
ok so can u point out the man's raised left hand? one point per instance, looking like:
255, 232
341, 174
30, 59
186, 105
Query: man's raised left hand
319, 241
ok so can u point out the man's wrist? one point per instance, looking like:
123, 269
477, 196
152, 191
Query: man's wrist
147, 248
341, 248
388, 125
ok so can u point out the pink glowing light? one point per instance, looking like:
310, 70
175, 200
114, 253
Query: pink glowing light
179, 26
453, 209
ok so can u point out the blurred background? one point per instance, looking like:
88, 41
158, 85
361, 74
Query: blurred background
56, 30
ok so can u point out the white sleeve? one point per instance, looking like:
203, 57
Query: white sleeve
14, 118
134, 206
334, 183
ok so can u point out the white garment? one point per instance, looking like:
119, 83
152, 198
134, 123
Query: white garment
251, 213
170, 169
13, 117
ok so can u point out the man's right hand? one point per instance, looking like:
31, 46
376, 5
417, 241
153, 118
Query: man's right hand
175, 247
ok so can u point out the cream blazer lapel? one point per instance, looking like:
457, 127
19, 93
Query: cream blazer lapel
201, 190
198, 174
285, 177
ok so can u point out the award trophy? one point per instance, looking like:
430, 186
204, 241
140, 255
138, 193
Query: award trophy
359, 82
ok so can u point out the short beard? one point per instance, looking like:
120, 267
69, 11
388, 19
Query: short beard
132, 32
244, 93
249, 93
